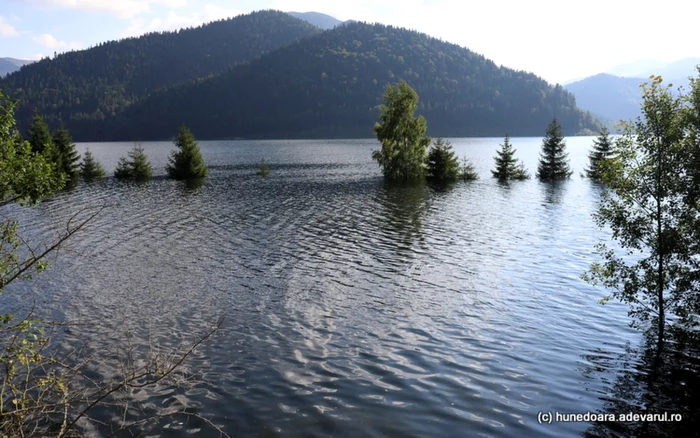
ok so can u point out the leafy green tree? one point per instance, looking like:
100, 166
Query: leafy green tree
467, 171
645, 204
186, 162
68, 158
402, 135
135, 167
443, 164
263, 168
90, 169
602, 149
24, 176
554, 161
507, 166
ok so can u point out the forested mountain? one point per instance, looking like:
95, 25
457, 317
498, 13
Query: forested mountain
610, 97
322, 21
9, 65
330, 85
101, 82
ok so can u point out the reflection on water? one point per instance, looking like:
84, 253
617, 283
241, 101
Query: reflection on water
353, 307
650, 380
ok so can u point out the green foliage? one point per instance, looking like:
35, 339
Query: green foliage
24, 176
467, 171
443, 164
187, 162
554, 161
263, 168
135, 167
402, 135
507, 166
602, 150
90, 169
650, 204
68, 158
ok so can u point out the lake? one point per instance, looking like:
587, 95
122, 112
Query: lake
352, 307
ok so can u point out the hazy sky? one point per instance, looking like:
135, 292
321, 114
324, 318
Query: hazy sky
558, 40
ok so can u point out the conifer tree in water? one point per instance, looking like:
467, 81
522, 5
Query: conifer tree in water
467, 171
136, 167
90, 169
263, 168
68, 157
554, 161
602, 150
403, 152
443, 164
507, 166
187, 162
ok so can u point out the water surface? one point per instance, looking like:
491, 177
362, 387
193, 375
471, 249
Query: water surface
352, 307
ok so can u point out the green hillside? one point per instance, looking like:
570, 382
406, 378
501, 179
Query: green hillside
329, 85
100, 82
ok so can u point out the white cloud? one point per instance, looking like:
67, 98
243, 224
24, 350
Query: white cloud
6, 29
173, 20
50, 42
120, 8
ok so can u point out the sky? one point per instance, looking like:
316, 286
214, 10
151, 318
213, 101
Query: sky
557, 40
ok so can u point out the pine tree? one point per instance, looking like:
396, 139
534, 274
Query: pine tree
602, 149
68, 157
187, 162
39, 137
136, 167
467, 171
554, 162
443, 164
507, 166
90, 169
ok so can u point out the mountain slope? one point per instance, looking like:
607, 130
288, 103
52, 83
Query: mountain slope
104, 80
322, 21
610, 97
330, 85
7, 67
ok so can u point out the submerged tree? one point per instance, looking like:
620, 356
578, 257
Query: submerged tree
443, 164
90, 169
263, 168
648, 205
402, 135
68, 157
467, 171
507, 166
134, 167
602, 150
186, 162
554, 162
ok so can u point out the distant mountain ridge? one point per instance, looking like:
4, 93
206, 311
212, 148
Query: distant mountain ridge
617, 96
322, 21
10, 65
609, 97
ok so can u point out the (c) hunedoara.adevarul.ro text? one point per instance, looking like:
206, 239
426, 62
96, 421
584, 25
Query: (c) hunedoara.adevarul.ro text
560, 417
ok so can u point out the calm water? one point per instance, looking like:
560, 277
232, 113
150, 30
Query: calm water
352, 307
